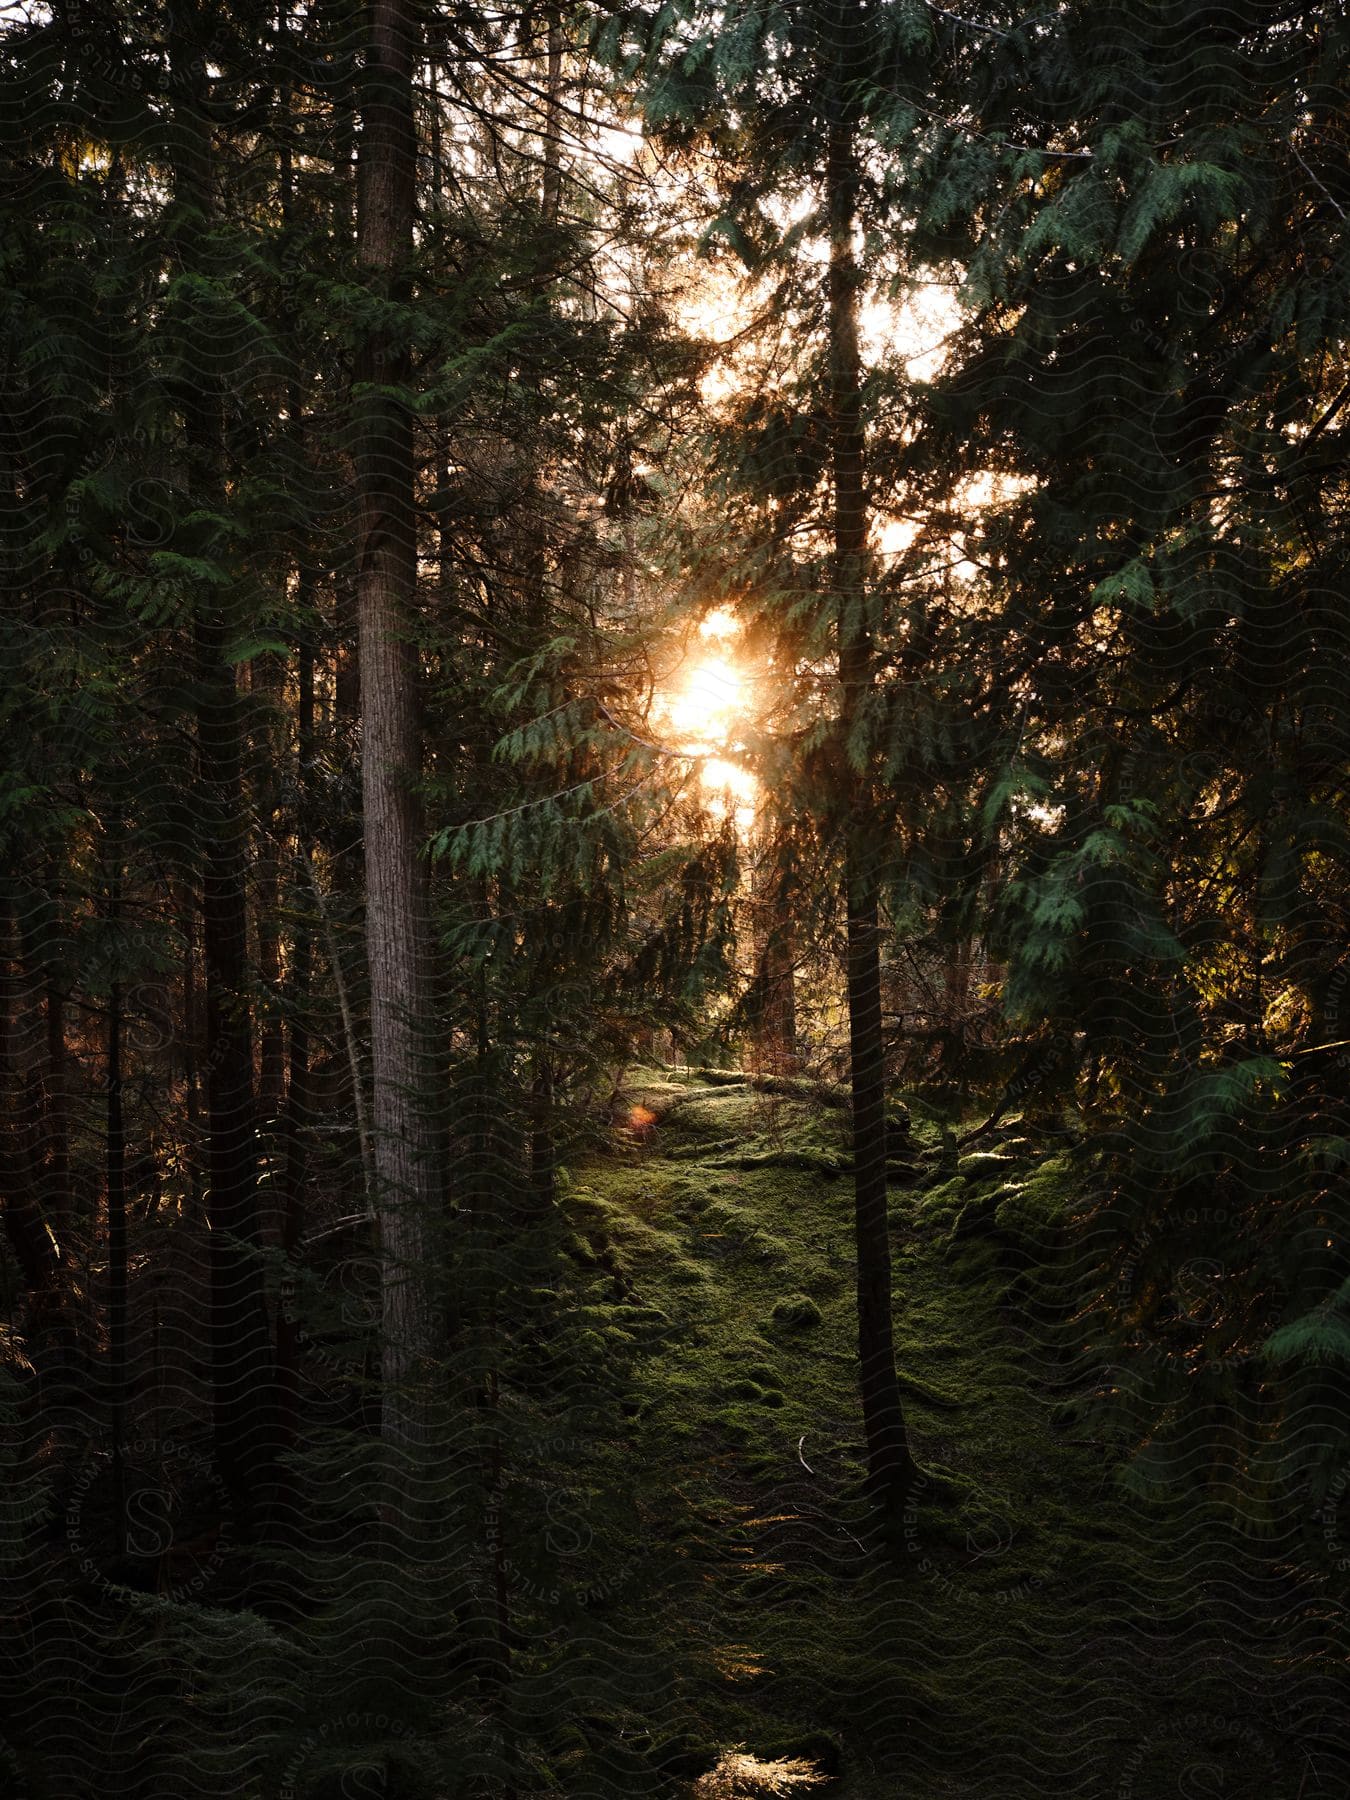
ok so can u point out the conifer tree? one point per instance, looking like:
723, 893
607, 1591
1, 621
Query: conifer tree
795, 107
240, 1328
1150, 357
397, 925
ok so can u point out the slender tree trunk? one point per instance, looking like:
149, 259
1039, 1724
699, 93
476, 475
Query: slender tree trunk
775, 1019
240, 1355
349, 1037
397, 926
346, 664
543, 1153
269, 679
551, 194
538, 1105
191, 1017
294, 1160
115, 1182
56, 1195
29, 1238
490, 1226
241, 1350
346, 661
891, 1469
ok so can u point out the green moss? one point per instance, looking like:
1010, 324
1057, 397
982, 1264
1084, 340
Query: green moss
984, 1165
742, 1390
712, 1117
797, 1313
941, 1204
741, 1315
1034, 1210
733, 1424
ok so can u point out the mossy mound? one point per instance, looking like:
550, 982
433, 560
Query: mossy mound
798, 1313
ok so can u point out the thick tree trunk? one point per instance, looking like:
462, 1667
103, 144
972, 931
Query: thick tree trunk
891, 1468
398, 937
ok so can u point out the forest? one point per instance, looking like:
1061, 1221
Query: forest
674, 899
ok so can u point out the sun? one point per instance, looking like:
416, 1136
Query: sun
705, 714
706, 706
710, 700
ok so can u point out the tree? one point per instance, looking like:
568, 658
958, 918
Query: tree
791, 107
891, 1467
1151, 361
241, 1351
397, 924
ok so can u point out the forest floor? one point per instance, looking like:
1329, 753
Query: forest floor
1045, 1632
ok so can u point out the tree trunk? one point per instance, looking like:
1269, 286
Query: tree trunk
269, 680
27, 1231
240, 1337
56, 1198
551, 189
294, 1162
774, 1021
115, 1184
397, 924
891, 1469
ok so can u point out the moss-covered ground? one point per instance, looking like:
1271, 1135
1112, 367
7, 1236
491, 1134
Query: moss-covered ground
1041, 1632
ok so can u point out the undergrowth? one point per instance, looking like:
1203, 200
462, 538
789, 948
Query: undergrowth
1013, 1651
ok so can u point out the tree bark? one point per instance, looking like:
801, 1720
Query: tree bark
269, 680
551, 187
56, 1199
27, 1231
891, 1468
240, 1336
397, 924
294, 1165
115, 1185
774, 1021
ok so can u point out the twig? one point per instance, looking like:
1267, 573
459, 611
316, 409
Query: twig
1314, 177
969, 24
